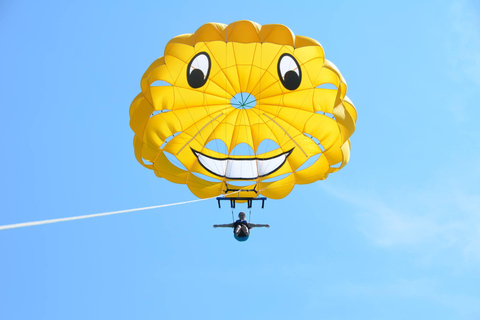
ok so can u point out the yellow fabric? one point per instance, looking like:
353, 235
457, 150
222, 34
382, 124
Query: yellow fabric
244, 57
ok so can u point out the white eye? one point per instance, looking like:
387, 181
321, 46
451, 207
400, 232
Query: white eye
202, 62
287, 63
198, 70
289, 72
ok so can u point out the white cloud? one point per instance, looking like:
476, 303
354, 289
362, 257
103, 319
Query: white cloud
465, 42
431, 220
466, 306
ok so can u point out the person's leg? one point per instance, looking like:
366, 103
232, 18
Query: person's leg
238, 229
241, 231
245, 230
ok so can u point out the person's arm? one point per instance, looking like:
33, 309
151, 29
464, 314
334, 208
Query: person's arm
229, 225
253, 225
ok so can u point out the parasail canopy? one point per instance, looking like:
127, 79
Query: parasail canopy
242, 107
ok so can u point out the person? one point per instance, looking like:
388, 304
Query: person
241, 227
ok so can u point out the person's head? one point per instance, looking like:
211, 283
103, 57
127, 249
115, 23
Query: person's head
241, 215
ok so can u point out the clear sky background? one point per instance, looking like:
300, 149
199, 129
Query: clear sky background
393, 235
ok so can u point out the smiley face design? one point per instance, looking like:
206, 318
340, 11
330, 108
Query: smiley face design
242, 107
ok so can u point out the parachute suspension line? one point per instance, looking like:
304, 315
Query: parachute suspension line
196, 134
36, 223
250, 216
233, 219
266, 115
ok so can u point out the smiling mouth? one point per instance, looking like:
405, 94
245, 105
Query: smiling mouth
247, 168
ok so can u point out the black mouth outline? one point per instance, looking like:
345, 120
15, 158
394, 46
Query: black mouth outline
287, 153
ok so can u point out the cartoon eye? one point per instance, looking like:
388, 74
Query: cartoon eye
198, 70
289, 71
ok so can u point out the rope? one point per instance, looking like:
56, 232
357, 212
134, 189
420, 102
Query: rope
36, 223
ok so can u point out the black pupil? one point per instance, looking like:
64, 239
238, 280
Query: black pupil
291, 80
196, 78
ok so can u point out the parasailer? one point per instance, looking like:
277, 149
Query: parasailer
242, 110
241, 227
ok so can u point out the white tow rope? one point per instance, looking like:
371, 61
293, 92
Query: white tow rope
36, 223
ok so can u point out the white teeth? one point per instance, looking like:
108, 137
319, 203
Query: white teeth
242, 168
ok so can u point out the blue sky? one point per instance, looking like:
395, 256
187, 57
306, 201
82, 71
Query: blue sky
393, 235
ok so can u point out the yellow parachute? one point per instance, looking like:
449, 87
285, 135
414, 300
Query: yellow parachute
243, 86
